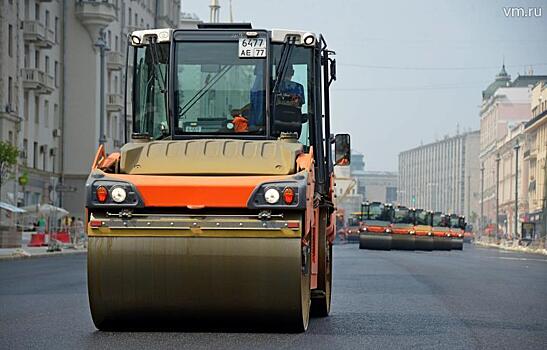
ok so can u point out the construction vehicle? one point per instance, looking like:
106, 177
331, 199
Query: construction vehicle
354, 227
423, 239
376, 226
219, 209
402, 229
457, 230
440, 231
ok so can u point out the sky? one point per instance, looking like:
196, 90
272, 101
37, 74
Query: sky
408, 72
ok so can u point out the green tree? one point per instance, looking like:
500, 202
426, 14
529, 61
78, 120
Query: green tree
8, 158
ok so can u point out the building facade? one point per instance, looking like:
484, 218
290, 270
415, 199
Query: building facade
535, 159
50, 69
380, 186
505, 108
442, 176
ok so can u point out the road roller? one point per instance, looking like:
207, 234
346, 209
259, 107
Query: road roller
457, 229
402, 229
354, 227
423, 239
376, 226
218, 209
441, 231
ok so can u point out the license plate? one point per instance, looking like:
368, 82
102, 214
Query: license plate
192, 129
252, 48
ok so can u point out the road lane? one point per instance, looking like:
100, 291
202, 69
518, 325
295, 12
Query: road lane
478, 298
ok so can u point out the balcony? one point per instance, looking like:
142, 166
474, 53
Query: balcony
115, 60
35, 32
38, 80
95, 15
114, 103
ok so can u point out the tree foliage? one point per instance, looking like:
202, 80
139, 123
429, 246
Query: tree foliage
8, 158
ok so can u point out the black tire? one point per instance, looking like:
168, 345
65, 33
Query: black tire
321, 297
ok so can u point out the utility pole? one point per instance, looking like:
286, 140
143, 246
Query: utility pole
101, 44
498, 158
481, 219
517, 147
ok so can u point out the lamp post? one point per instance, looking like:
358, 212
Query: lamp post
516, 148
101, 44
498, 158
481, 220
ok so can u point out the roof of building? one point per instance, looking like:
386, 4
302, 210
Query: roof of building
502, 79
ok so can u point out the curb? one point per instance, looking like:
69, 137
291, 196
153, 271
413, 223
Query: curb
513, 249
42, 255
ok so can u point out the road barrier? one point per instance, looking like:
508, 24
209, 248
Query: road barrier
37, 240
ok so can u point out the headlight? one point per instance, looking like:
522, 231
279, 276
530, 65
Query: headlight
448, 234
271, 195
429, 233
364, 229
388, 230
118, 194
412, 232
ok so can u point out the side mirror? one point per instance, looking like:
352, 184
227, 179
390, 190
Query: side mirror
332, 69
342, 149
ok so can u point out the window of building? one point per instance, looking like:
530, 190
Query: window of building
37, 11
46, 113
56, 29
35, 155
56, 73
129, 16
56, 122
109, 38
27, 57
108, 125
116, 44
25, 106
47, 64
10, 137
25, 151
47, 19
36, 109
10, 92
10, 40
37, 59
43, 155
136, 20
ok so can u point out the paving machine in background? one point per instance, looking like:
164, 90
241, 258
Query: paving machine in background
402, 228
441, 231
423, 239
457, 230
354, 226
219, 209
376, 226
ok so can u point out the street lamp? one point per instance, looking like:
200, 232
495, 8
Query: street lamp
498, 158
102, 46
516, 148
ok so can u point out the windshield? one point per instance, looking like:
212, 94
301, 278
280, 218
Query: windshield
376, 212
149, 90
438, 220
422, 217
401, 216
216, 91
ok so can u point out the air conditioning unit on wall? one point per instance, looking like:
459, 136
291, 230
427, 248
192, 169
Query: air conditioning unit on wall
56, 132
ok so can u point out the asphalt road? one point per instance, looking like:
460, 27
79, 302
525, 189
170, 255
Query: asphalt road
475, 299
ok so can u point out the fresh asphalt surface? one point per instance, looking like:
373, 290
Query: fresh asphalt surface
478, 298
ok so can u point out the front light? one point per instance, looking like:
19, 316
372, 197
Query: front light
118, 194
388, 230
412, 232
271, 195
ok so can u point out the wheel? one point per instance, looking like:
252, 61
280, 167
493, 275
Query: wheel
321, 297
402, 242
457, 243
305, 293
424, 243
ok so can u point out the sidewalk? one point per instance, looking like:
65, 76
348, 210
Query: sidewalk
37, 252
513, 246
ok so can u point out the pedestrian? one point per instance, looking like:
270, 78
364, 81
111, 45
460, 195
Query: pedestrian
72, 229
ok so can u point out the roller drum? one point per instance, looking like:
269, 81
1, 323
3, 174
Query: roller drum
375, 242
136, 282
442, 243
457, 243
402, 242
423, 243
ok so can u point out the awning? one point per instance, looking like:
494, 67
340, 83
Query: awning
11, 208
